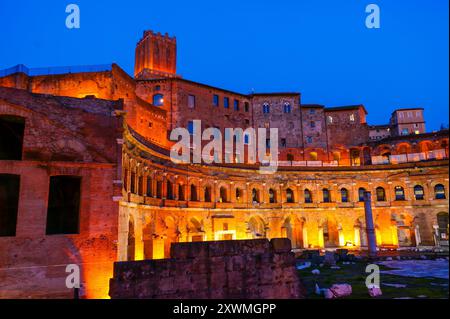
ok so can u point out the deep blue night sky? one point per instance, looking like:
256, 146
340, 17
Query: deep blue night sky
320, 48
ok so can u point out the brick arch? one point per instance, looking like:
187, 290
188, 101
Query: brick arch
382, 149
256, 226
403, 148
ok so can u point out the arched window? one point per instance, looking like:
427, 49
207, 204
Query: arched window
287, 107
336, 156
399, 193
344, 195
361, 191
208, 194
255, 195
194, 196
418, 192
381, 194
266, 108
326, 195
158, 100
308, 196
289, 196
180, 192
223, 195
439, 191
272, 196
169, 190
355, 159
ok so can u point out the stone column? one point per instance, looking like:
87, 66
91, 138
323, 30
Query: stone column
305, 237
370, 225
436, 235
417, 234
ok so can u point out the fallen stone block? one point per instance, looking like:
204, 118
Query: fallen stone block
375, 292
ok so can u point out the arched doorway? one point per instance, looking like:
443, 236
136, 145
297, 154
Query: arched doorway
292, 228
171, 235
256, 228
405, 231
355, 159
195, 230
330, 233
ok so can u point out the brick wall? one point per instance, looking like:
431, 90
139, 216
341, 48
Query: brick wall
223, 269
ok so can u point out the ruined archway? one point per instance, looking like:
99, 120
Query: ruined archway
256, 227
292, 228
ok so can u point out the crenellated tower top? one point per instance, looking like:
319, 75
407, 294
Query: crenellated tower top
156, 56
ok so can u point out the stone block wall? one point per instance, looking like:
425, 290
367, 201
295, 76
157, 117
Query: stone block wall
241, 269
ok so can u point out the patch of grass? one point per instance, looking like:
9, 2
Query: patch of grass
355, 275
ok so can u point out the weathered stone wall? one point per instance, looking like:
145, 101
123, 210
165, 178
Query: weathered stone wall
213, 270
63, 136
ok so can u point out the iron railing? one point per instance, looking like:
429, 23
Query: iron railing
20, 68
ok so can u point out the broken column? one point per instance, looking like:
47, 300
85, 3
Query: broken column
370, 229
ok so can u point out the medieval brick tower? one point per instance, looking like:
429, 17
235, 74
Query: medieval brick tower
156, 56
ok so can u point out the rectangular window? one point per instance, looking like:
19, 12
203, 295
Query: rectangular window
9, 204
149, 186
352, 118
63, 211
226, 102
283, 142
246, 138
312, 111
141, 185
133, 183
191, 127
236, 105
312, 124
246, 107
191, 101
11, 137
309, 139
216, 100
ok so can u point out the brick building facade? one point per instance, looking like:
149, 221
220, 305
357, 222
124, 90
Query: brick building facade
105, 134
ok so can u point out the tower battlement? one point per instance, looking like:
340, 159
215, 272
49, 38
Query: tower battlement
156, 56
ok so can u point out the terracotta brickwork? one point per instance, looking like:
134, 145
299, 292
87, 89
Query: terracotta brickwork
245, 269
63, 137
111, 130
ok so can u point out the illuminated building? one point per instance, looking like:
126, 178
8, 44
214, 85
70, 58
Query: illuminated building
110, 130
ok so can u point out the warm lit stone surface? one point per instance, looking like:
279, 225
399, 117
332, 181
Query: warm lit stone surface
223, 269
